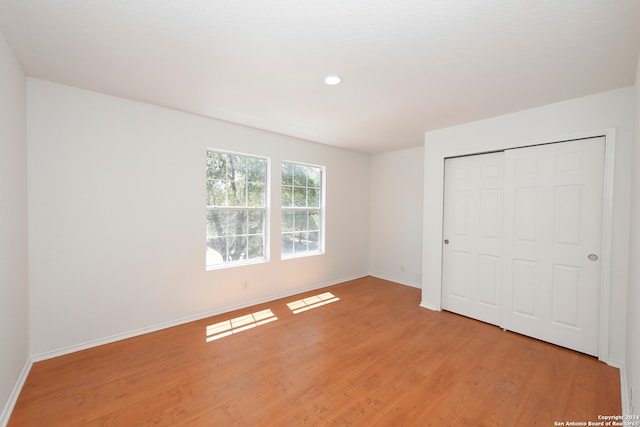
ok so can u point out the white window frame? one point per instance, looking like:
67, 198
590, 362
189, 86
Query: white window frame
265, 209
321, 209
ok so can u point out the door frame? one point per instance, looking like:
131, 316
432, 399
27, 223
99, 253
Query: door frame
434, 221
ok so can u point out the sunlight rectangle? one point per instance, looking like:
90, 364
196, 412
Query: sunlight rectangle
218, 328
312, 302
216, 337
239, 324
244, 320
265, 321
296, 304
264, 314
244, 328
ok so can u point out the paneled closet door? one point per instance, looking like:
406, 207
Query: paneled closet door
553, 197
472, 238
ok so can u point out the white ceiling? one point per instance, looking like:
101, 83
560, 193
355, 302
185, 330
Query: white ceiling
408, 66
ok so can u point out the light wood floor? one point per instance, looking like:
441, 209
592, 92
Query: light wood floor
372, 358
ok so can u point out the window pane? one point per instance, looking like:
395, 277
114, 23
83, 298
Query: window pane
300, 243
217, 193
300, 220
314, 177
236, 195
300, 176
287, 221
314, 220
313, 197
256, 170
237, 247
216, 223
216, 165
313, 241
256, 247
256, 194
237, 222
287, 196
227, 179
256, 222
287, 174
299, 197
216, 250
236, 166
287, 243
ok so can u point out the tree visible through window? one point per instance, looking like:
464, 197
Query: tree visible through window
301, 223
236, 208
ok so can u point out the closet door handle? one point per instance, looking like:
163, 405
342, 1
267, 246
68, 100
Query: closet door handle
593, 257
446, 241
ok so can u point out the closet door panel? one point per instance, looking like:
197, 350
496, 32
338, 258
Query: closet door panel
472, 240
552, 220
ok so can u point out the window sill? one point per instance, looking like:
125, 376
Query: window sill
235, 264
300, 255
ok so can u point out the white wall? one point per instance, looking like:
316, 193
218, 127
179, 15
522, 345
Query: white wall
117, 219
632, 365
396, 216
548, 123
14, 350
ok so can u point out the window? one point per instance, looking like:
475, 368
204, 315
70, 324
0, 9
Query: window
302, 213
236, 208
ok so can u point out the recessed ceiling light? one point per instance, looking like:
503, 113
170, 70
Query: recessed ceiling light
332, 80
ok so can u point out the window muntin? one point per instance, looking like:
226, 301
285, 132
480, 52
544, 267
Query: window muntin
236, 208
301, 214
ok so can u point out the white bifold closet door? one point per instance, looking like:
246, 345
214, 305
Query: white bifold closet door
522, 240
472, 249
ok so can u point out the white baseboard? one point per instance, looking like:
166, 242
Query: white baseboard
614, 363
624, 397
170, 324
395, 280
13, 397
432, 307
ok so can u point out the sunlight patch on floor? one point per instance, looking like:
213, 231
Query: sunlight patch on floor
312, 302
239, 324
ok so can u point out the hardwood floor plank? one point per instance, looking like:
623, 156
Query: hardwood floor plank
371, 358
